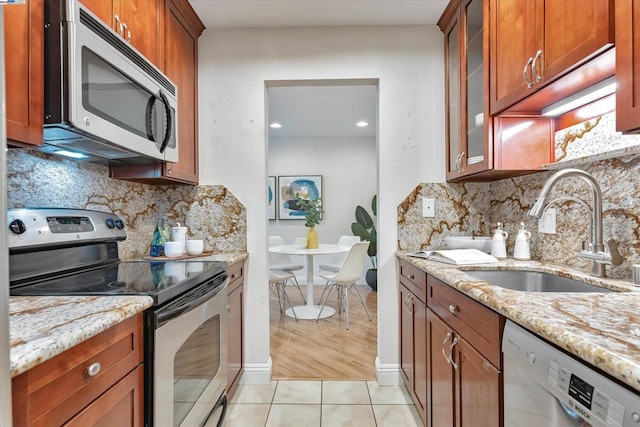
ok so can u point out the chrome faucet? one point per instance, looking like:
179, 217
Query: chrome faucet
595, 249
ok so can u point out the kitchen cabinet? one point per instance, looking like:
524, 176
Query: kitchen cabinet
98, 382
413, 335
140, 22
464, 359
480, 146
182, 28
24, 44
533, 43
235, 325
627, 66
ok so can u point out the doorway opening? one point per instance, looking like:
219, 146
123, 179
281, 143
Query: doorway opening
322, 137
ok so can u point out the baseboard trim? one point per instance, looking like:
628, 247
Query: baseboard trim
388, 374
258, 373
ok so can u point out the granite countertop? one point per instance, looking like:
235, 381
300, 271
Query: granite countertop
43, 327
228, 257
603, 329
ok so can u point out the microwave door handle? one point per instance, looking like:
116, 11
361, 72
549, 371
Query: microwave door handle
167, 110
149, 115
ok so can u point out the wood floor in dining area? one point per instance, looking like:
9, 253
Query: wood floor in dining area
324, 349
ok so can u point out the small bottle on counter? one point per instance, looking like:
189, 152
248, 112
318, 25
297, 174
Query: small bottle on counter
160, 237
498, 243
521, 251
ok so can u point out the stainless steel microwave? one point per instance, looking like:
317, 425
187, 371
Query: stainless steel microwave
103, 99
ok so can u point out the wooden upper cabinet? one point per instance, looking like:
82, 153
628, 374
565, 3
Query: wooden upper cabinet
535, 42
183, 30
628, 66
138, 21
24, 44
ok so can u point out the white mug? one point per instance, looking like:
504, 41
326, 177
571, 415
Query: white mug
179, 234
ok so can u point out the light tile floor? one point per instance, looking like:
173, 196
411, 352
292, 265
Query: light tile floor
321, 404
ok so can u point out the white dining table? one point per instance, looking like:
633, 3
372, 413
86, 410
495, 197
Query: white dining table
310, 310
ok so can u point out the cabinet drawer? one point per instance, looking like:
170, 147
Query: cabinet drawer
477, 324
53, 392
414, 279
236, 275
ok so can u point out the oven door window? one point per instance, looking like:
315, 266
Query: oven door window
195, 365
115, 97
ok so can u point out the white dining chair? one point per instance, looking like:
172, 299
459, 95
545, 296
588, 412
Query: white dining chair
338, 259
344, 281
282, 262
277, 282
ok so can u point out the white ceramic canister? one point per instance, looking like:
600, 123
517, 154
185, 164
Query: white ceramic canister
498, 243
521, 251
179, 234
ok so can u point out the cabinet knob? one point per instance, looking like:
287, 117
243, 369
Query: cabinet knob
411, 277
233, 276
94, 369
453, 309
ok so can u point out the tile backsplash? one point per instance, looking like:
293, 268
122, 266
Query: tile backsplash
211, 212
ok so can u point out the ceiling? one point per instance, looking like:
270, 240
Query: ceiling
320, 111
316, 13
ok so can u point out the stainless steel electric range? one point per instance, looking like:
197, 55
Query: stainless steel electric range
54, 251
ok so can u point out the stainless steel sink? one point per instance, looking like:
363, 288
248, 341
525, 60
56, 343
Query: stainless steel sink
533, 281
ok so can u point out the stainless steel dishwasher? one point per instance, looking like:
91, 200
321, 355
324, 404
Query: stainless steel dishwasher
545, 387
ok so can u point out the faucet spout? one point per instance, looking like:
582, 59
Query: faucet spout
596, 245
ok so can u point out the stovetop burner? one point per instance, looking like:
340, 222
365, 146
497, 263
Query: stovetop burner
161, 280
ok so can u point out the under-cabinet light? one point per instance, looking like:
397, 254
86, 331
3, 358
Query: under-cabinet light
72, 154
585, 96
362, 124
275, 125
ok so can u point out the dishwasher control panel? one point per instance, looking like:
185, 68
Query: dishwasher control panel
560, 383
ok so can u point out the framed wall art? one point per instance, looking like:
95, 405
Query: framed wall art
271, 198
293, 188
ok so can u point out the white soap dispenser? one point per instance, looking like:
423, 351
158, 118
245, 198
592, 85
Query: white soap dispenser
498, 244
521, 250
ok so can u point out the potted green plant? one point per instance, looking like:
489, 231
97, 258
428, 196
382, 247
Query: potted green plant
365, 228
312, 212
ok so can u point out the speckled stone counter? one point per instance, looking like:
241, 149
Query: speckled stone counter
603, 329
43, 327
228, 257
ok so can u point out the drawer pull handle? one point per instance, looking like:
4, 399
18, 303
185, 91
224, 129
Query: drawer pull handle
233, 276
411, 277
94, 369
443, 350
453, 309
453, 344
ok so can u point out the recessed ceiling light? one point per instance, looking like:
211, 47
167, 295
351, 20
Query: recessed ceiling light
275, 125
71, 154
362, 124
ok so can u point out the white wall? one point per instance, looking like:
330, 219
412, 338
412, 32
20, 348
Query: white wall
234, 65
349, 178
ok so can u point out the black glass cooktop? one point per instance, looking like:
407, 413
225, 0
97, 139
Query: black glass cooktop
162, 280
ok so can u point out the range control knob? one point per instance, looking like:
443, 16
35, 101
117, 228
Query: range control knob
119, 224
17, 226
110, 223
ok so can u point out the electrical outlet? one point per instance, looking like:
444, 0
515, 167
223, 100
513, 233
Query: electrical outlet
428, 207
547, 224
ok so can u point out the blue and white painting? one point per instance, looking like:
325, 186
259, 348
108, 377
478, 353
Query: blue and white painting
294, 188
271, 198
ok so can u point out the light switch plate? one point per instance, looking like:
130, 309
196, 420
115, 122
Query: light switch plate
428, 207
547, 224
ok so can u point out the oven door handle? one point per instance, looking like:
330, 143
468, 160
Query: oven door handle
164, 316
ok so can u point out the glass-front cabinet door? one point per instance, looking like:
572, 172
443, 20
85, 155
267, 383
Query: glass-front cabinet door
466, 73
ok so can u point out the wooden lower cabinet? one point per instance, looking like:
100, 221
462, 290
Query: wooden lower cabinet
413, 351
98, 382
235, 326
465, 388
